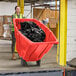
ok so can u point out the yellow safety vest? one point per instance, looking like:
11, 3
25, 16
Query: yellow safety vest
15, 16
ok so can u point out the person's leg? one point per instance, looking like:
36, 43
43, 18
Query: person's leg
13, 46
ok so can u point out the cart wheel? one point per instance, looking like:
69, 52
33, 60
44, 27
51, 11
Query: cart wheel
38, 62
23, 62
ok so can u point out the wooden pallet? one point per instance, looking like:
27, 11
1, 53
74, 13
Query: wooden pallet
2, 38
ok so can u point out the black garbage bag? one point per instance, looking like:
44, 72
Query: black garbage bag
32, 31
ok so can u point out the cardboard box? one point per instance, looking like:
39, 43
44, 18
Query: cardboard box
7, 32
5, 20
1, 30
42, 14
54, 31
52, 22
1, 18
1, 24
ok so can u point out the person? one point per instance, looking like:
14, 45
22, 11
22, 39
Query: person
15, 15
45, 21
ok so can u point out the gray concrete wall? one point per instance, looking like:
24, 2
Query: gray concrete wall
71, 30
7, 8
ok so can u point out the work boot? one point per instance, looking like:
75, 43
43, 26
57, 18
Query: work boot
13, 56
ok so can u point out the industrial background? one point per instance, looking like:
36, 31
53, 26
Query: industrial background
62, 21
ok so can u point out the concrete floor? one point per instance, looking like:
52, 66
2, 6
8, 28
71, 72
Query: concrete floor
48, 62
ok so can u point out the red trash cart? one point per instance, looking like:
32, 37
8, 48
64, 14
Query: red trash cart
33, 51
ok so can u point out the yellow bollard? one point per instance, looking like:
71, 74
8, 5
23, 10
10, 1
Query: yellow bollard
21, 4
62, 34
